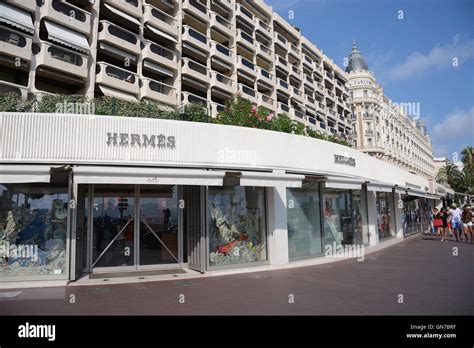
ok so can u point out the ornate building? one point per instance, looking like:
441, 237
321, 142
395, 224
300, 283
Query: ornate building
392, 132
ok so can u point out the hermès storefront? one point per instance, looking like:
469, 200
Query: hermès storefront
81, 195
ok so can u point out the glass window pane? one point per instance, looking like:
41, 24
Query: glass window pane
384, 216
33, 228
113, 226
158, 224
304, 229
361, 231
236, 225
337, 217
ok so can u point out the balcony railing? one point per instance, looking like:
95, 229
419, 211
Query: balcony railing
196, 4
195, 34
298, 113
247, 90
264, 26
283, 107
247, 63
245, 36
222, 78
328, 75
201, 69
279, 38
282, 83
221, 20
246, 13
265, 73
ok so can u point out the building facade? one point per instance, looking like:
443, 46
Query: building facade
392, 132
82, 195
173, 52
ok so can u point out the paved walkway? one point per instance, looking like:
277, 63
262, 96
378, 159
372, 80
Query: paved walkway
422, 269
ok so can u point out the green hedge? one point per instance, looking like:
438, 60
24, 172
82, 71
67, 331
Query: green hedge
238, 112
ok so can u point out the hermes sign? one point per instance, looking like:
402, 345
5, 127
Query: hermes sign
141, 140
348, 161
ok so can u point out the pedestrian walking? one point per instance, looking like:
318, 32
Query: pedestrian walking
456, 221
466, 218
437, 222
444, 216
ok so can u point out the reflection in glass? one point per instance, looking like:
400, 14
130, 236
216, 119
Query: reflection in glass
236, 225
411, 218
361, 232
33, 228
383, 216
304, 229
158, 225
113, 226
337, 217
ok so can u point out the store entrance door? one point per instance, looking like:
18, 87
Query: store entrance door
134, 227
195, 226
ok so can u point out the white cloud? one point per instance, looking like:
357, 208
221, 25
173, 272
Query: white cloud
440, 56
456, 128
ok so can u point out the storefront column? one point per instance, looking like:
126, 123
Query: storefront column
372, 218
277, 226
397, 206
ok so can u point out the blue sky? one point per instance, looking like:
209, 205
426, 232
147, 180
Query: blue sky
412, 58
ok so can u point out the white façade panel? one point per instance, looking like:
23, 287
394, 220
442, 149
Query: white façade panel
271, 179
84, 139
147, 176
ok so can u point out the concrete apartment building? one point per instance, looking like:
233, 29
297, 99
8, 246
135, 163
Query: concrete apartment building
173, 52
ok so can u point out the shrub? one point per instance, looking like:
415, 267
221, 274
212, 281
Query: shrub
283, 123
241, 112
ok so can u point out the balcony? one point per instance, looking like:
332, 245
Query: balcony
160, 20
296, 73
266, 101
68, 15
160, 55
309, 81
158, 91
195, 38
264, 28
190, 98
195, 70
132, 7
297, 113
221, 24
308, 61
295, 49
247, 92
245, 14
265, 76
320, 88
264, 51
296, 94
281, 41
281, 63
328, 76
282, 108
283, 85
62, 59
197, 9
330, 95
310, 102
117, 78
8, 87
369, 132
15, 44
27, 5
216, 109
247, 66
223, 82
124, 39
222, 52
246, 40
339, 85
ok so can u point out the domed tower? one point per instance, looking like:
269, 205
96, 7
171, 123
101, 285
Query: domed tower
366, 104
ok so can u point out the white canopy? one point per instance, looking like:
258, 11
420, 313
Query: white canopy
112, 92
67, 37
379, 187
161, 33
146, 176
16, 17
117, 51
123, 14
265, 179
343, 183
24, 173
158, 68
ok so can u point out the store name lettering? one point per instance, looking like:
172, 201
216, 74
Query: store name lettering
407, 184
142, 140
348, 161
362, 82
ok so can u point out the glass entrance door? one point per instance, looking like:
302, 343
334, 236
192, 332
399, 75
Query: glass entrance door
113, 238
159, 235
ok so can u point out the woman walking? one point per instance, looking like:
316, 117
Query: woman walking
466, 218
445, 217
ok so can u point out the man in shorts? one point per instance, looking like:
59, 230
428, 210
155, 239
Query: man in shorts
456, 221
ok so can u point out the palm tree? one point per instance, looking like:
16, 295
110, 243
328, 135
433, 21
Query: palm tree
449, 174
467, 157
